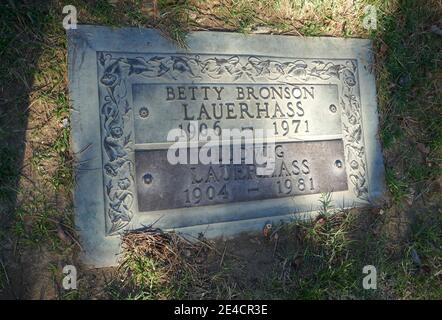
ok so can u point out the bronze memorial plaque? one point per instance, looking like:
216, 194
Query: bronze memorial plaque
300, 168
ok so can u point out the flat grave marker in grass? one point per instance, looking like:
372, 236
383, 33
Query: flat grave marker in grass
217, 138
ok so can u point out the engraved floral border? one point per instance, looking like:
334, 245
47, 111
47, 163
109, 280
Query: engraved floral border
116, 118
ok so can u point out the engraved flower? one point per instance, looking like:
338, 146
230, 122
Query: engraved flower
248, 70
216, 67
112, 144
109, 109
112, 74
124, 183
354, 164
110, 170
352, 119
354, 102
108, 79
268, 68
348, 78
116, 132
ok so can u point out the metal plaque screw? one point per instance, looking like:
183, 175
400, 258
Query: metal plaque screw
147, 178
144, 112
338, 164
333, 108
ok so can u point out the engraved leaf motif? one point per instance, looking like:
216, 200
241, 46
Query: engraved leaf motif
233, 60
271, 69
237, 76
102, 59
127, 138
156, 59
333, 71
109, 169
359, 183
351, 65
109, 109
324, 70
262, 67
137, 65
109, 187
158, 65
210, 65
161, 69
355, 134
126, 107
180, 64
232, 68
296, 69
216, 67
348, 78
120, 92
112, 74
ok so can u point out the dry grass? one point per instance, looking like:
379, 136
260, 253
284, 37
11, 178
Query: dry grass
161, 265
332, 18
167, 249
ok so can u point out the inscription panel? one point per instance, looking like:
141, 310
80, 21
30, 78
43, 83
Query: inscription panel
300, 168
290, 110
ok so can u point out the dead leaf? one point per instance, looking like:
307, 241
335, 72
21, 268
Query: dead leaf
28, 221
320, 222
266, 230
426, 269
296, 263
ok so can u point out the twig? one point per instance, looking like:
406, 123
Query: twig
7, 278
224, 253
276, 245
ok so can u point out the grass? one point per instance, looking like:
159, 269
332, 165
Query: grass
322, 259
325, 207
317, 260
410, 100
157, 265
9, 173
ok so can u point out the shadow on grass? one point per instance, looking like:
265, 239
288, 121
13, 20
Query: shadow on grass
410, 95
22, 27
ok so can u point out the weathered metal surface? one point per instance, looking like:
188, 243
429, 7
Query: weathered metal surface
292, 111
300, 168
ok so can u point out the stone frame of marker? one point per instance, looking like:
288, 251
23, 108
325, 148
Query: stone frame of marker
130, 87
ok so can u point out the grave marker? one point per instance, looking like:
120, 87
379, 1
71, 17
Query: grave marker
131, 88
